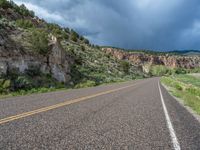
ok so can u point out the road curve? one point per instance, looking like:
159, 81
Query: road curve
133, 115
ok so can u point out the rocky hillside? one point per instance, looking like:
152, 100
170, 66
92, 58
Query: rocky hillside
14, 56
144, 59
37, 54
34, 54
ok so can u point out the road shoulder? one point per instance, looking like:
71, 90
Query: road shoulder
181, 102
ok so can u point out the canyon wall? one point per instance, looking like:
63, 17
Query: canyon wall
142, 59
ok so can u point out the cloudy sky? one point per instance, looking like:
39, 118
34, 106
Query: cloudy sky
132, 24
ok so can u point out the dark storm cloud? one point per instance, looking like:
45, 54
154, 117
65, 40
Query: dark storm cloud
133, 24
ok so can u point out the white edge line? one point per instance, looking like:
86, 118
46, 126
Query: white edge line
180, 101
174, 139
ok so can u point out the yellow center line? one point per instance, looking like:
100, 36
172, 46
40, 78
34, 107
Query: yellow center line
44, 109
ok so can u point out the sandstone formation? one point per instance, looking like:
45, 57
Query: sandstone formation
142, 59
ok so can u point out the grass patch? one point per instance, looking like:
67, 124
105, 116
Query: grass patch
185, 87
32, 91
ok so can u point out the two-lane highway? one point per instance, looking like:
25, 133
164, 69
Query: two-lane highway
132, 115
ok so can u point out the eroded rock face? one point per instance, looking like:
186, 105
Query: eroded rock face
14, 56
139, 59
57, 63
3, 67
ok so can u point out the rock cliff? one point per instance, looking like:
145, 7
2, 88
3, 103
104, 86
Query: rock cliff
13, 56
142, 59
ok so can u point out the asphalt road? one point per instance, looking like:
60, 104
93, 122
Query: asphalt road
133, 115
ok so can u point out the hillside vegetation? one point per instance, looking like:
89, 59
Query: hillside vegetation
92, 66
24, 33
37, 56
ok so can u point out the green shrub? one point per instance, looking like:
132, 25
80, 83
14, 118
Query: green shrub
24, 11
195, 70
12, 74
86, 41
180, 71
6, 23
75, 33
2, 81
32, 13
67, 30
97, 47
43, 90
178, 86
160, 70
193, 91
74, 36
82, 47
22, 82
6, 84
5, 4
1, 90
57, 31
81, 38
22, 23
65, 36
39, 41
87, 83
78, 59
52, 26
125, 66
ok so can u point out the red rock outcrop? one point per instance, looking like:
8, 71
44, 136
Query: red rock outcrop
140, 59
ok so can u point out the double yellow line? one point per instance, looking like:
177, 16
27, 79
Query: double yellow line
44, 109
